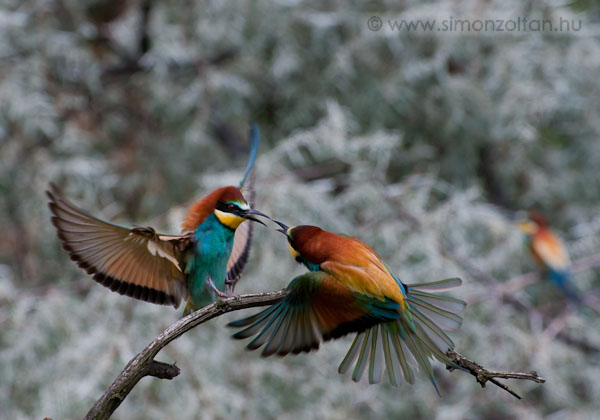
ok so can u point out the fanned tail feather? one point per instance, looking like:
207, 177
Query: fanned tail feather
351, 355
401, 353
255, 142
376, 360
437, 286
412, 340
362, 357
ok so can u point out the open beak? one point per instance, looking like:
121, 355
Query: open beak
284, 227
251, 213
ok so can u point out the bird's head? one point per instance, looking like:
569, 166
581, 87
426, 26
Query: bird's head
298, 238
531, 223
228, 205
232, 208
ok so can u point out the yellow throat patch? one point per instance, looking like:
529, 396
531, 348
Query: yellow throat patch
294, 253
528, 227
230, 220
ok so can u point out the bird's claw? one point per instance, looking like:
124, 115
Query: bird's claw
215, 289
228, 293
230, 286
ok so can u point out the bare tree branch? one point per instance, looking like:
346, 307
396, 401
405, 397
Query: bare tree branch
144, 364
483, 375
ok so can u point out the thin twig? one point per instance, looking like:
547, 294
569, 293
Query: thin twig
144, 364
483, 375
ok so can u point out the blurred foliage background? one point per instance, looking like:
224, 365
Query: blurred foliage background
417, 142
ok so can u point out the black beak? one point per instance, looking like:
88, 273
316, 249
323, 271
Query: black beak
249, 215
284, 227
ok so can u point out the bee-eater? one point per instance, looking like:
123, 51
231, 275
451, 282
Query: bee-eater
549, 252
197, 265
350, 289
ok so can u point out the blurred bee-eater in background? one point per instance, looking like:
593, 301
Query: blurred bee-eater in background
204, 262
549, 252
350, 289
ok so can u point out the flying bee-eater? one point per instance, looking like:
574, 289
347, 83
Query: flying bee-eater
199, 265
349, 289
549, 252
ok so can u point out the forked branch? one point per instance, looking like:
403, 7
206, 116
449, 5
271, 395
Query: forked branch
483, 375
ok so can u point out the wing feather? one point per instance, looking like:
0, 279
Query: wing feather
551, 251
135, 262
242, 242
318, 307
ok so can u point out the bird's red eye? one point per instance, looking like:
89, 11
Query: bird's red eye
230, 207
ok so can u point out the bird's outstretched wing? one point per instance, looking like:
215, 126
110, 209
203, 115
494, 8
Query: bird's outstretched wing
242, 241
137, 262
317, 307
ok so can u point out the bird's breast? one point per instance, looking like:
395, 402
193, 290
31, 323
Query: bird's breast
213, 243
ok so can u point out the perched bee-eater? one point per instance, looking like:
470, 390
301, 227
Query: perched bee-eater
549, 253
350, 289
197, 265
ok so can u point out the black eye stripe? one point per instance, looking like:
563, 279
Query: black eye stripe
227, 207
